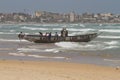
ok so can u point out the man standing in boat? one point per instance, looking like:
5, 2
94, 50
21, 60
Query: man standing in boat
56, 36
21, 35
49, 36
64, 32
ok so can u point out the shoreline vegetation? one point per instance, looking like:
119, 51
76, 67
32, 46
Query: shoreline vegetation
42, 70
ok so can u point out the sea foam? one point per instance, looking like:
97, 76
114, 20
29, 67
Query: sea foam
33, 28
49, 57
112, 42
17, 54
92, 46
110, 37
110, 30
12, 40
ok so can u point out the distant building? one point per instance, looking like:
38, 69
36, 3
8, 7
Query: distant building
72, 17
38, 14
106, 14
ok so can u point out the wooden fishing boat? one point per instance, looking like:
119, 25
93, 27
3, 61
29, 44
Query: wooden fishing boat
53, 39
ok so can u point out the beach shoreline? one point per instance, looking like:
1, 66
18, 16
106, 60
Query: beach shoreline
43, 70
96, 60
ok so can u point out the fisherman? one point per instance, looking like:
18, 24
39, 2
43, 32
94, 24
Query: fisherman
46, 34
64, 32
40, 33
56, 36
21, 35
49, 36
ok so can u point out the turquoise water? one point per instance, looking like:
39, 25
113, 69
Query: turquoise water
107, 40
105, 45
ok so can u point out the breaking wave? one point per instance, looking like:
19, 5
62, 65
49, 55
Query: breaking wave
17, 54
7, 33
112, 30
115, 60
37, 50
110, 37
36, 56
93, 46
12, 40
32, 28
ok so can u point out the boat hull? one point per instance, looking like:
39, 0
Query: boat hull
53, 39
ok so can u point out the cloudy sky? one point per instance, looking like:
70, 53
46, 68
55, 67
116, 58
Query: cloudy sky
61, 6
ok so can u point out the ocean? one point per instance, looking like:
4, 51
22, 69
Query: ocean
103, 50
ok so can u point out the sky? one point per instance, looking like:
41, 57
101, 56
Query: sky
61, 6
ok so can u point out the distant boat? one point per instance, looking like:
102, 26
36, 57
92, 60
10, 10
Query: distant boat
53, 39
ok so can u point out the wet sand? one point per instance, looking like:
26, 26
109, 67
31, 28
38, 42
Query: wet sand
41, 70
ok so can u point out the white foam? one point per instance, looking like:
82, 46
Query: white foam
52, 50
17, 54
82, 30
76, 46
112, 42
56, 29
111, 47
100, 24
33, 28
64, 26
93, 46
110, 30
37, 56
12, 40
65, 44
110, 37
82, 25
12, 30
37, 50
112, 60
78, 33
29, 50
49, 25
7, 33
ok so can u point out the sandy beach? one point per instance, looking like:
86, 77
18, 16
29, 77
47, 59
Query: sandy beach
31, 70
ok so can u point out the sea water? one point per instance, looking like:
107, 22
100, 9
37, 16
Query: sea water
104, 49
